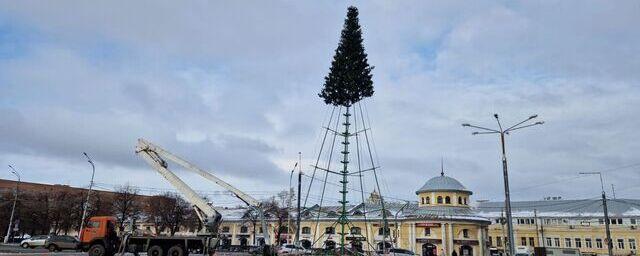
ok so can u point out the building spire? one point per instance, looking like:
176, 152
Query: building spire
442, 166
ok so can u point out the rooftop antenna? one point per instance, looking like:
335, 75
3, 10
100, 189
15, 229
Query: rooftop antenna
441, 166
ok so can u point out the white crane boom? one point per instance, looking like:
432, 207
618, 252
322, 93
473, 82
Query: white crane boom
192, 168
153, 155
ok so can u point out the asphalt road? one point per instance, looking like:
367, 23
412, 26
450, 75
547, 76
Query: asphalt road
14, 249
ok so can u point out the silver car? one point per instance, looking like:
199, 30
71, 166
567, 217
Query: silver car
34, 241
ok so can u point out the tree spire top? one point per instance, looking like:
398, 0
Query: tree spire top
349, 78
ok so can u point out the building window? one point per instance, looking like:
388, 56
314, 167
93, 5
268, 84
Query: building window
306, 230
499, 241
620, 243
465, 233
490, 241
587, 243
578, 243
556, 241
567, 242
381, 231
598, 243
632, 221
428, 200
600, 221
439, 199
532, 241
459, 200
427, 231
632, 244
225, 229
523, 241
244, 229
330, 230
549, 241
422, 198
355, 231
465, 201
447, 200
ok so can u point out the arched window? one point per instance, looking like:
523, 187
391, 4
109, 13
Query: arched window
459, 200
355, 230
306, 230
329, 230
422, 198
447, 200
244, 229
428, 200
439, 199
465, 201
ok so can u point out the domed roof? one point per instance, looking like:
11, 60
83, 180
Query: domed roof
443, 183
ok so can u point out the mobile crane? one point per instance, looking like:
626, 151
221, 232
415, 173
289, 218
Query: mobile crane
99, 236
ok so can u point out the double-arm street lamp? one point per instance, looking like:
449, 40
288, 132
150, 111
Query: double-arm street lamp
502, 132
86, 203
606, 211
13, 209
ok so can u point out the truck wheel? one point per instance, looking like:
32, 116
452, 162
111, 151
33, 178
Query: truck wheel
155, 250
97, 250
175, 250
52, 248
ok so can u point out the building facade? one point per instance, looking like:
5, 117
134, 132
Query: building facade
442, 222
567, 224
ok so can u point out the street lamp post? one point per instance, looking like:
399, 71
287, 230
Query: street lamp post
606, 211
13, 209
86, 203
289, 204
502, 132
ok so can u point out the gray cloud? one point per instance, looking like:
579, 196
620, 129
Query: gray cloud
233, 87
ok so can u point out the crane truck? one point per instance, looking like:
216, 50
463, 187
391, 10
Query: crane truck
99, 237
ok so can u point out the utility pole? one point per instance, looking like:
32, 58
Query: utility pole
606, 212
505, 173
86, 203
535, 218
290, 193
504, 236
297, 239
13, 209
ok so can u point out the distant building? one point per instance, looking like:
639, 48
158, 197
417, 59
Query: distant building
554, 222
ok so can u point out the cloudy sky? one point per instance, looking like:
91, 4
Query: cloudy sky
232, 86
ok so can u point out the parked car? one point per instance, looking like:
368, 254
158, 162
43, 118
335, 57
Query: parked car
292, 249
397, 252
57, 243
34, 241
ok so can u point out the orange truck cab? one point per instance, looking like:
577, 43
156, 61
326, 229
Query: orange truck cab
99, 236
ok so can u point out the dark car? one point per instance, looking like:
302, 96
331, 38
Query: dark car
57, 243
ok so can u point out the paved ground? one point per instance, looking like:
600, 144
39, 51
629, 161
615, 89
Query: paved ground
14, 249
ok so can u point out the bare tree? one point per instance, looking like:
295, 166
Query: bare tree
280, 212
126, 205
168, 211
